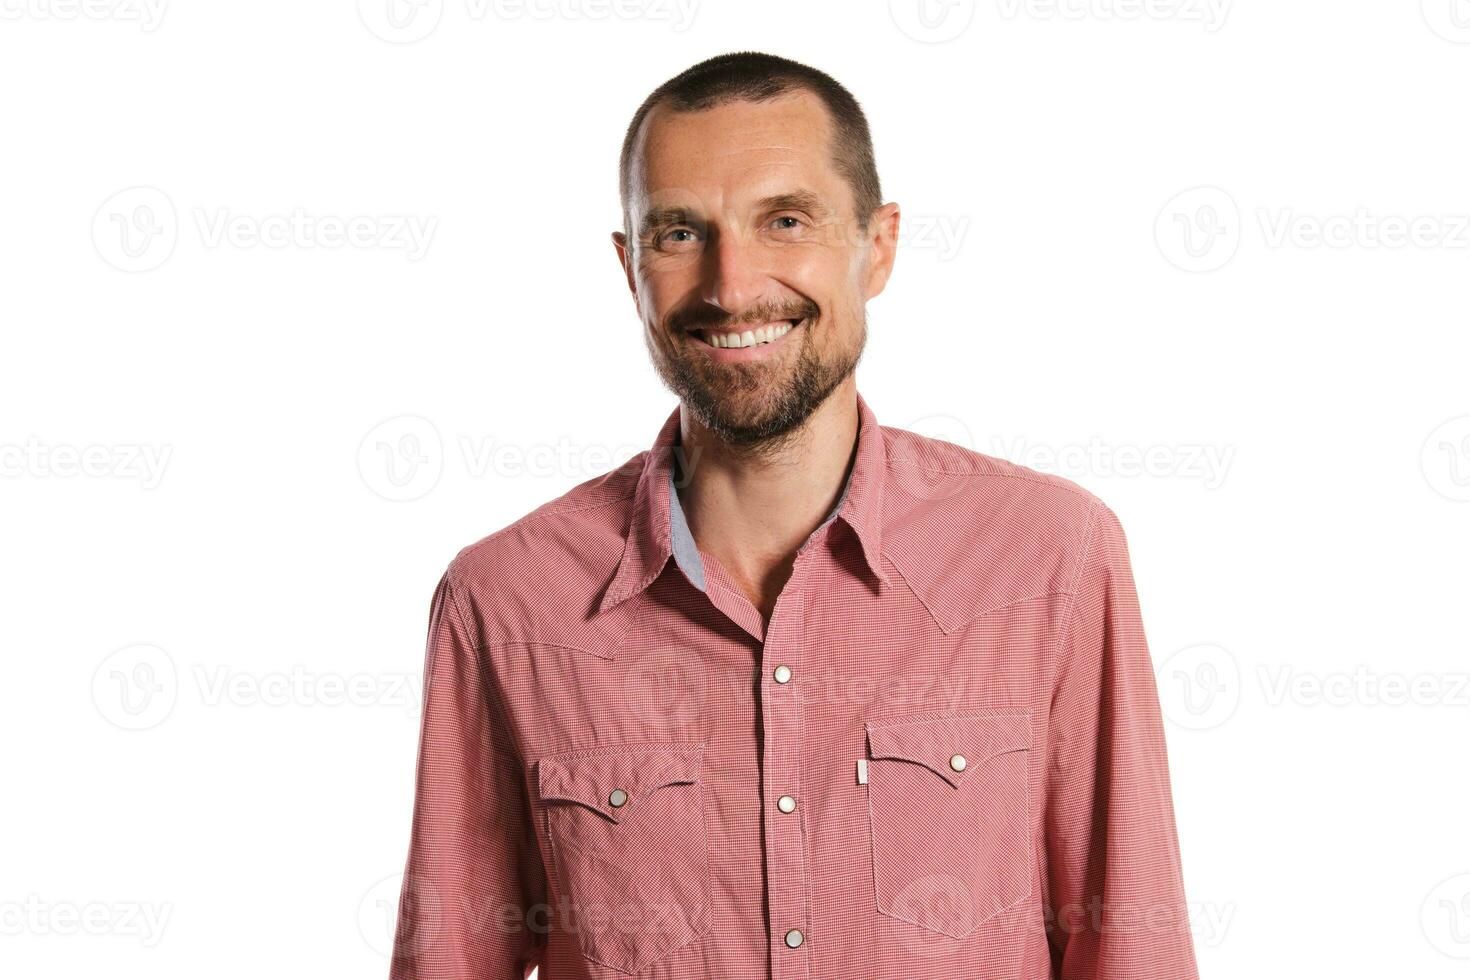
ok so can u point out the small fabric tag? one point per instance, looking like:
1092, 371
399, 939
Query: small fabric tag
862, 772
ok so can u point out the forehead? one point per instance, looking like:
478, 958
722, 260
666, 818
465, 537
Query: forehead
729, 154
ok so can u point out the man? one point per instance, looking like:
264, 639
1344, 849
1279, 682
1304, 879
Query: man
792, 694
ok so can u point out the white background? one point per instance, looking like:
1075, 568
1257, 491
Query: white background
1208, 259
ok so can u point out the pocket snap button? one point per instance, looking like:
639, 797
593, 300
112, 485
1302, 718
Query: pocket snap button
957, 763
618, 798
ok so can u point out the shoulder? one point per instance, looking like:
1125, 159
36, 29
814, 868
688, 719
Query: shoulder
523, 580
974, 533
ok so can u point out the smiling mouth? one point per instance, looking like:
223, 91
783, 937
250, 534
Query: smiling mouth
756, 336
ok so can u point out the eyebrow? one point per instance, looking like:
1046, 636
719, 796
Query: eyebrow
797, 200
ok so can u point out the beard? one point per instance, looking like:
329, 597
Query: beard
761, 405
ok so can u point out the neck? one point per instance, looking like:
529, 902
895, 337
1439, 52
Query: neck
752, 510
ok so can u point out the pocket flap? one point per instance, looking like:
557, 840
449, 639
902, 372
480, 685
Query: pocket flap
943, 744
613, 781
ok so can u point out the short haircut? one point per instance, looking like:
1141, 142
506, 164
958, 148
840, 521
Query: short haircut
751, 76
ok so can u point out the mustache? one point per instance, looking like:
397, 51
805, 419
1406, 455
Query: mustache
712, 318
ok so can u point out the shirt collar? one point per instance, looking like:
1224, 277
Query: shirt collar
658, 529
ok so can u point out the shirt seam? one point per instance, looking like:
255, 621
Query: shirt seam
541, 514
1068, 622
1069, 612
532, 641
1040, 479
924, 599
492, 697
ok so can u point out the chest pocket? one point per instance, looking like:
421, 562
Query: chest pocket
949, 802
627, 832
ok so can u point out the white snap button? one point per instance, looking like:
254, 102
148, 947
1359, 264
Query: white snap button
787, 804
957, 763
794, 938
783, 674
618, 798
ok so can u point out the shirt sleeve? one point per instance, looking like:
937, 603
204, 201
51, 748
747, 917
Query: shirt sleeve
1115, 892
474, 886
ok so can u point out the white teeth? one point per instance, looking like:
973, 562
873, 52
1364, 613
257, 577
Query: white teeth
750, 338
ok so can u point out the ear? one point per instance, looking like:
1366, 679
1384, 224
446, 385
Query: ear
882, 244
625, 258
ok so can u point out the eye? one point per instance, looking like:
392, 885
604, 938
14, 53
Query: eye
675, 237
787, 222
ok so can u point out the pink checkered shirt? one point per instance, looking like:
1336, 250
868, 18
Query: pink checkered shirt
942, 758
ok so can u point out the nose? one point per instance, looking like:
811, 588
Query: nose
734, 273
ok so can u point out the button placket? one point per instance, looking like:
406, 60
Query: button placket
782, 716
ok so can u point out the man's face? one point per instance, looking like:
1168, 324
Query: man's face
747, 263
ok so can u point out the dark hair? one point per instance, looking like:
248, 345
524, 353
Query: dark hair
751, 76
